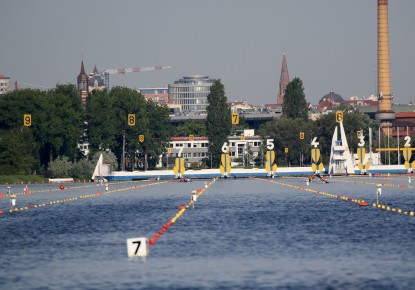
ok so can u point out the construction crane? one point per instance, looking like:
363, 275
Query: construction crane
106, 73
18, 83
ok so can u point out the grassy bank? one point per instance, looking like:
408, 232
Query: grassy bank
21, 178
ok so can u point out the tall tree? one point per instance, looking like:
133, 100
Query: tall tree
190, 128
285, 133
100, 121
18, 152
218, 121
295, 104
157, 134
56, 119
127, 101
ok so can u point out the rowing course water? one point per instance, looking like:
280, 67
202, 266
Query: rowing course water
243, 233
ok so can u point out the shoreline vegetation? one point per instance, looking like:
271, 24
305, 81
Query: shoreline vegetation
22, 178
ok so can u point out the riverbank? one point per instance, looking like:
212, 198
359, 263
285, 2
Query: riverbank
21, 178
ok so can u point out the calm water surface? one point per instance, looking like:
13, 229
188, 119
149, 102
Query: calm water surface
242, 234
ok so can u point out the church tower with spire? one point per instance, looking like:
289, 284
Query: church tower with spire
82, 83
284, 80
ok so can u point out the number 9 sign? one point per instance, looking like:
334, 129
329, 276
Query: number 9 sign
27, 120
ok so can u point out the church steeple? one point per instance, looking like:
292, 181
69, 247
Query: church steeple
82, 83
284, 80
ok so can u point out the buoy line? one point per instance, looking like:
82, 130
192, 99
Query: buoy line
98, 193
3, 195
345, 198
44, 190
182, 209
374, 183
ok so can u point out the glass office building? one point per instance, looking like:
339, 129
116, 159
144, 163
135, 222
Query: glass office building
191, 93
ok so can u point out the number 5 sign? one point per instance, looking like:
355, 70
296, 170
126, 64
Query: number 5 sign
138, 247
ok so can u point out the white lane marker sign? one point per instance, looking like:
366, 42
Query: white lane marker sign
138, 247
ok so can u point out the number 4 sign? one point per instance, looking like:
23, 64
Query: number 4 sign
138, 247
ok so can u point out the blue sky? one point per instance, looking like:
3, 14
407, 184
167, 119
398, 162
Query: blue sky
330, 44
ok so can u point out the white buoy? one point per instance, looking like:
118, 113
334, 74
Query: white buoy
13, 200
378, 192
409, 180
138, 247
194, 198
206, 186
307, 182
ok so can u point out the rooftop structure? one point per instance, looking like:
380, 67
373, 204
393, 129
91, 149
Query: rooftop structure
95, 81
284, 80
384, 113
82, 83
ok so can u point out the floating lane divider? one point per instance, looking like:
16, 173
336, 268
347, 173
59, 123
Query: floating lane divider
374, 183
360, 202
98, 193
60, 186
393, 209
140, 247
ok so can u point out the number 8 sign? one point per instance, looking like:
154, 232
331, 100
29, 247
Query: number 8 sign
131, 119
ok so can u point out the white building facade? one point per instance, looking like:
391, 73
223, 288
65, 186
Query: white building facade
244, 149
5, 85
191, 93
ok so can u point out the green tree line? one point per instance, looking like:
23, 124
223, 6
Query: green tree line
59, 121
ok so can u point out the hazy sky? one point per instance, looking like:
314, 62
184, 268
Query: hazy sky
330, 44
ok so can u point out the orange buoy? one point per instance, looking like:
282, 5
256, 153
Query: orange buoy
1, 212
181, 207
363, 203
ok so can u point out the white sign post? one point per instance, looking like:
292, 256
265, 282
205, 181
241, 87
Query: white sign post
138, 247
